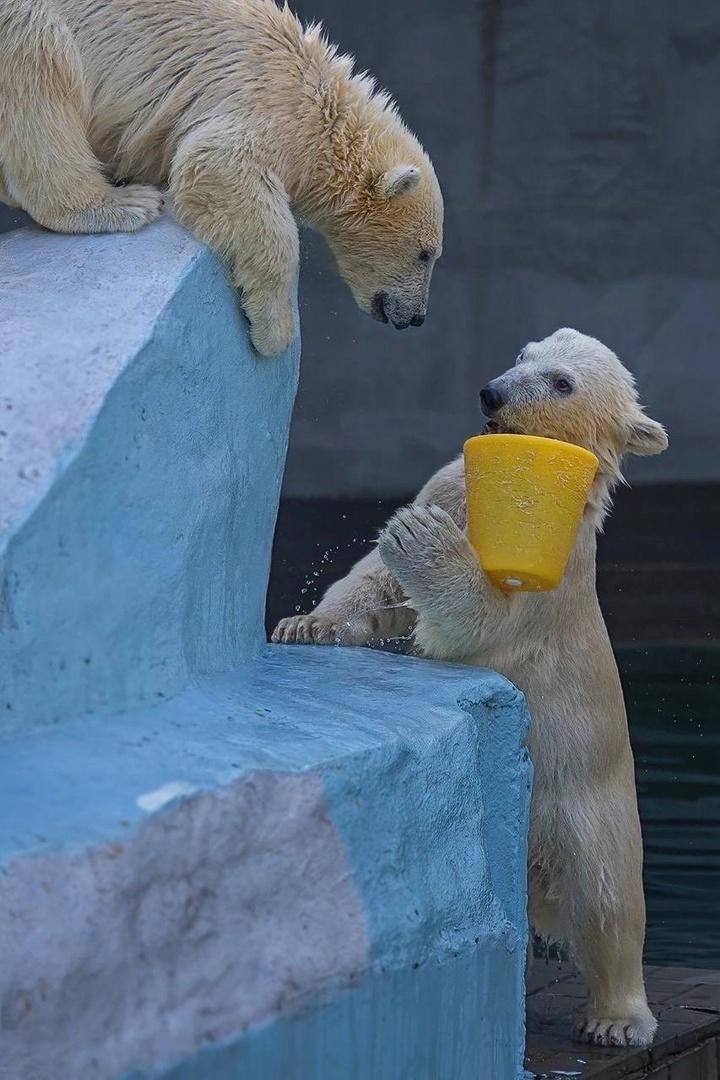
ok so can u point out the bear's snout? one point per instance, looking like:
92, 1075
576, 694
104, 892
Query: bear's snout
491, 398
386, 308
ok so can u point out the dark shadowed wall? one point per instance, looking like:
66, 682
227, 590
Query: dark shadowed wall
578, 148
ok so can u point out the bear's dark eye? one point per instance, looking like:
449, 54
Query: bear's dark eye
562, 385
425, 255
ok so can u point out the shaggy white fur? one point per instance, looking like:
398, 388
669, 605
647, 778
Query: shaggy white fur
585, 864
251, 119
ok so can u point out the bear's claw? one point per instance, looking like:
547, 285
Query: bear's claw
624, 1032
417, 537
305, 630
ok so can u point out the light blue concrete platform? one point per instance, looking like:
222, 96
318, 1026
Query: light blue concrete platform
310, 849
219, 860
142, 446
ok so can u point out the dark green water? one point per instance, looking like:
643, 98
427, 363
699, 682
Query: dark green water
673, 702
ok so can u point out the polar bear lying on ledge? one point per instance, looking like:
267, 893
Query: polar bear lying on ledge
251, 119
585, 855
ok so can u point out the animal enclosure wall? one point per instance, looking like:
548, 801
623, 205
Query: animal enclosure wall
218, 859
577, 151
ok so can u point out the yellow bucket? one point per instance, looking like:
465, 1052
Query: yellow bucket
525, 500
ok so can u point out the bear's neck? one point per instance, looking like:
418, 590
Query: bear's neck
329, 127
599, 503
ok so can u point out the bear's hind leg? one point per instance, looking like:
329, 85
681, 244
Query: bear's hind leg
610, 958
603, 909
50, 169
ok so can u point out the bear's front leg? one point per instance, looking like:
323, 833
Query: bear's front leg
239, 207
437, 569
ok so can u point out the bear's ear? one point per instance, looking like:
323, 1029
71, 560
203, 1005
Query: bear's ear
402, 180
646, 436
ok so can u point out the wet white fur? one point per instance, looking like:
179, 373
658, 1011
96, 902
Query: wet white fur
252, 120
585, 865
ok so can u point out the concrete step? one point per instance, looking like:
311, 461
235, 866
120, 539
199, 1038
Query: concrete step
326, 849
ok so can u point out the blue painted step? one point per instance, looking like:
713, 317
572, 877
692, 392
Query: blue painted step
331, 829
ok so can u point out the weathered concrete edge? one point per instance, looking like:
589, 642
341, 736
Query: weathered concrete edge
349, 1030
220, 911
480, 771
127, 258
146, 561
375, 915
445, 1020
510, 823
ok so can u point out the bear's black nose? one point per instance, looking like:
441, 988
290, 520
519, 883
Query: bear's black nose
417, 320
491, 399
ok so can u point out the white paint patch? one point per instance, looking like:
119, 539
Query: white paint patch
174, 789
225, 910
513, 583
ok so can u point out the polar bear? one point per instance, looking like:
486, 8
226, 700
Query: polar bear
585, 850
250, 119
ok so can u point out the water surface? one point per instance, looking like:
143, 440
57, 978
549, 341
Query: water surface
673, 700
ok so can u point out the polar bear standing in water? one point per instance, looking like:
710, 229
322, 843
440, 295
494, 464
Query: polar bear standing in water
251, 120
585, 850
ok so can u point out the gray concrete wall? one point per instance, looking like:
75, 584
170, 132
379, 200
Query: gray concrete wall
577, 144
578, 149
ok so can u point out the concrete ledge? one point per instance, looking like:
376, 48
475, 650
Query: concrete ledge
142, 444
330, 826
218, 859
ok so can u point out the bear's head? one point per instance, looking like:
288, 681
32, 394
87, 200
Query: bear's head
386, 239
572, 387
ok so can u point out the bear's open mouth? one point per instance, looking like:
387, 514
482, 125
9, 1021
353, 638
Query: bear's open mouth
494, 427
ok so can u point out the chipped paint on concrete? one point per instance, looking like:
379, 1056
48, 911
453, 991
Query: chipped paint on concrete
213, 916
168, 792
418, 792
